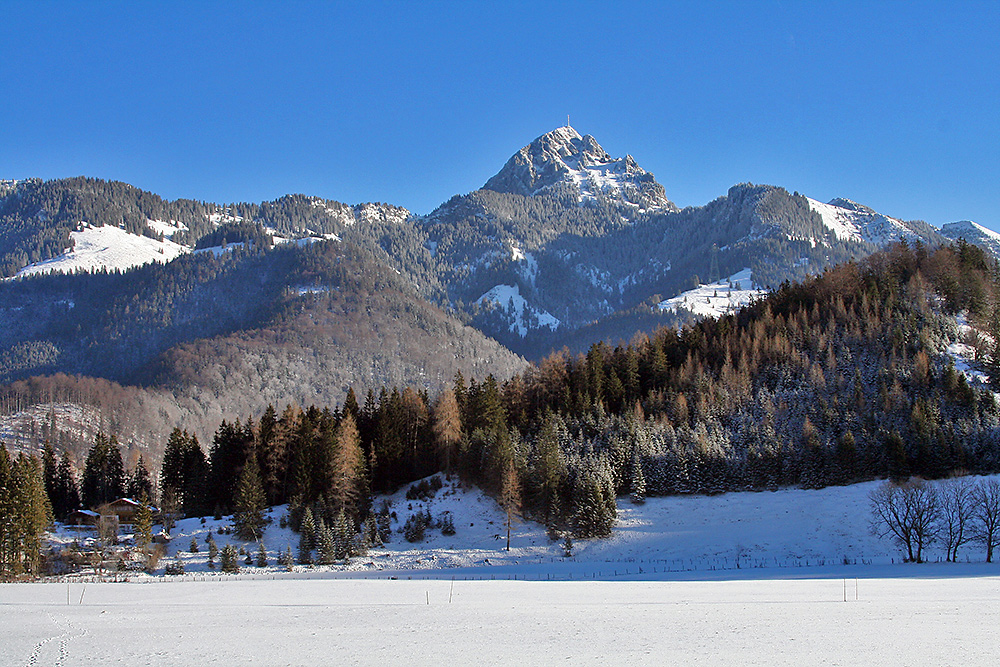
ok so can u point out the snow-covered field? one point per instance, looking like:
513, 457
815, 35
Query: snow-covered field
785, 577
938, 620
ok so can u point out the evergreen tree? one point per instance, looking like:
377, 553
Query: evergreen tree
305, 549
326, 550
50, 473
103, 474
248, 514
68, 491
229, 560
638, 485
139, 484
143, 525
261, 555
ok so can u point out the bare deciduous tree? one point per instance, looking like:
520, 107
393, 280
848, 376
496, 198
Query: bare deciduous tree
956, 497
907, 512
986, 500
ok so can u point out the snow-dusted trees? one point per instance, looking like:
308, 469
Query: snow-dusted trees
908, 513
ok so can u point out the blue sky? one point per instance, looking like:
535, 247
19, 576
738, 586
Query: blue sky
895, 105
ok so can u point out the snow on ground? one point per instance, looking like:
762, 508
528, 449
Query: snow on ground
168, 229
838, 220
933, 621
523, 314
715, 299
963, 353
107, 247
665, 589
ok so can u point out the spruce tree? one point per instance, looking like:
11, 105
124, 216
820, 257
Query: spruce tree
261, 555
326, 550
248, 514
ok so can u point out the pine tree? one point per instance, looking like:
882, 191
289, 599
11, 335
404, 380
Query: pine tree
286, 560
194, 545
50, 474
305, 549
229, 560
261, 555
68, 492
326, 550
143, 524
248, 514
104, 473
638, 495
139, 483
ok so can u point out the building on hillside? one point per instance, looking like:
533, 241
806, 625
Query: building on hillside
119, 514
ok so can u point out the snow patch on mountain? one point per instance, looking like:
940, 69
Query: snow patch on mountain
111, 248
523, 316
715, 299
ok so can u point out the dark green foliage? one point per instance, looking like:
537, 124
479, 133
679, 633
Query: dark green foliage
104, 473
248, 514
415, 527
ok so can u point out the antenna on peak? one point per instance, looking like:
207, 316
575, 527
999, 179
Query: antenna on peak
567, 121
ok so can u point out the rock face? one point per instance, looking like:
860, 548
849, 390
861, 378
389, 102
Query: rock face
562, 159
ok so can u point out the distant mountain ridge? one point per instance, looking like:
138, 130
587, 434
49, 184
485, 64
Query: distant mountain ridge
563, 244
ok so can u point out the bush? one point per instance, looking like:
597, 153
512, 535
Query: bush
415, 527
447, 524
424, 489
174, 568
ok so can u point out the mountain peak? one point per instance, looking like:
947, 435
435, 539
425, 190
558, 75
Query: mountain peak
565, 158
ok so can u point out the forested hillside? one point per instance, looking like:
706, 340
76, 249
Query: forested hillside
842, 378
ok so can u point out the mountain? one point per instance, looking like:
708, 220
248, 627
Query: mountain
227, 306
973, 233
851, 221
563, 160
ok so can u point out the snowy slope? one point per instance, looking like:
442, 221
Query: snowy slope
714, 299
851, 221
107, 247
770, 532
973, 233
522, 316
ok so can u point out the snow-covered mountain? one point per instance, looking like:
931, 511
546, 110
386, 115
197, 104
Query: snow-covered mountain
851, 221
564, 159
973, 233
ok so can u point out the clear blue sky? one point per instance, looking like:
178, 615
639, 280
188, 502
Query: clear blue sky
896, 105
